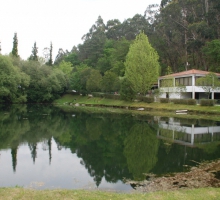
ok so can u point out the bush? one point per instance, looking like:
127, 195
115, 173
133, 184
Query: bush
98, 94
148, 99
164, 100
207, 102
184, 101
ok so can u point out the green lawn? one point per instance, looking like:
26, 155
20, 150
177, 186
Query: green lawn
159, 109
23, 194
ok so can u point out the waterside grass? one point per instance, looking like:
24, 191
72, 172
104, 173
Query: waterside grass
156, 108
23, 194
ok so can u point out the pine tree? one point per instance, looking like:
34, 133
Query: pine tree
34, 53
15, 46
50, 61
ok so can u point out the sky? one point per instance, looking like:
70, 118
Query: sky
62, 22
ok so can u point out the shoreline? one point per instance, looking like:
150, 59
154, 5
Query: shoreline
69, 103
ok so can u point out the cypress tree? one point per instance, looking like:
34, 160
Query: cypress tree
15, 46
50, 61
34, 53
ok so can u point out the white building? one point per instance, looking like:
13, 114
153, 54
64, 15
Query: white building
187, 79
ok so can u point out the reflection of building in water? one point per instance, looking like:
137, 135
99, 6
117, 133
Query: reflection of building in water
188, 134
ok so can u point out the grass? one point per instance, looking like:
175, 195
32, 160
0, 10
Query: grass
23, 194
157, 109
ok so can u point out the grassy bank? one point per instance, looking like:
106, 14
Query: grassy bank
158, 109
23, 194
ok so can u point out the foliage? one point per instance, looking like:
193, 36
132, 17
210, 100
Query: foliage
211, 50
34, 56
110, 82
207, 102
142, 66
94, 81
46, 84
50, 60
15, 46
164, 100
209, 83
13, 82
65, 67
184, 101
126, 92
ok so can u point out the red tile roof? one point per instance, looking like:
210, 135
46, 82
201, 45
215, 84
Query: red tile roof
189, 72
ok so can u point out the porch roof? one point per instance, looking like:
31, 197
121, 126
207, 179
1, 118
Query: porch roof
188, 73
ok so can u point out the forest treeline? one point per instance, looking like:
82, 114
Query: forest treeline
185, 35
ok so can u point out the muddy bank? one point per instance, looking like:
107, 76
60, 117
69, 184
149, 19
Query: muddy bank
204, 175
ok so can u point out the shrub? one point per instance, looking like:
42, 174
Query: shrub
207, 102
164, 100
98, 94
148, 99
184, 101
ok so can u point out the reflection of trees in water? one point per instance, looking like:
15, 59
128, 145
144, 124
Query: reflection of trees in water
141, 147
14, 157
33, 149
29, 124
100, 145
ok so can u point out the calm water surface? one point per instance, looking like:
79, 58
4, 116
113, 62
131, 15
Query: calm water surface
42, 147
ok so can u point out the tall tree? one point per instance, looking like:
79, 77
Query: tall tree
15, 46
34, 53
50, 60
141, 65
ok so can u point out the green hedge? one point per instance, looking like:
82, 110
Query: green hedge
184, 101
148, 99
164, 100
145, 99
107, 96
207, 102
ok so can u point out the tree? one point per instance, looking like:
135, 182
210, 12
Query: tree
110, 82
34, 56
13, 82
209, 83
15, 46
94, 81
50, 61
126, 91
65, 67
141, 65
212, 52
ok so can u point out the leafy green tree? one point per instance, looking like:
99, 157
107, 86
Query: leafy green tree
15, 46
94, 81
13, 82
110, 82
126, 91
34, 56
212, 53
142, 66
209, 83
46, 84
79, 78
65, 67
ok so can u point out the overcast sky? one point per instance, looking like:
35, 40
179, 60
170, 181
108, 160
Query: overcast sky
62, 22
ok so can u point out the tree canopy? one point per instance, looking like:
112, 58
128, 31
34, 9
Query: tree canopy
141, 65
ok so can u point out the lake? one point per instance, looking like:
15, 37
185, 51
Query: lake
42, 147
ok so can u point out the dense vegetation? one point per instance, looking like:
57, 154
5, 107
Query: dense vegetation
184, 34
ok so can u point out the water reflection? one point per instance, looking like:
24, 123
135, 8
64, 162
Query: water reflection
55, 149
192, 133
